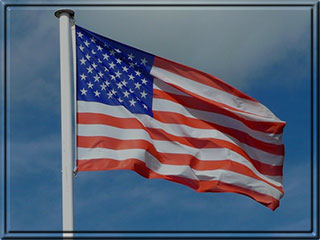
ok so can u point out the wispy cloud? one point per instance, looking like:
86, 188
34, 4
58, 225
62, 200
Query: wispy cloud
236, 45
33, 59
34, 183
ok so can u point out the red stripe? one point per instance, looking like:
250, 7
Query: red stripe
168, 117
158, 134
200, 186
168, 158
204, 99
194, 103
198, 76
266, 169
176, 118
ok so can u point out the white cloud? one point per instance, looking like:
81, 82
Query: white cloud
34, 155
33, 59
236, 45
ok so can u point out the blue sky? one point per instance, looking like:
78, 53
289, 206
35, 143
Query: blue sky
263, 52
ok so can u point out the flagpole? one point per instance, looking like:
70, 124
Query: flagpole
65, 15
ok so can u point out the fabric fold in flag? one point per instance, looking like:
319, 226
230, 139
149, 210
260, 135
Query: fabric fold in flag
162, 119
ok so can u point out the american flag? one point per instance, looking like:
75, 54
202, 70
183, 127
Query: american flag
165, 120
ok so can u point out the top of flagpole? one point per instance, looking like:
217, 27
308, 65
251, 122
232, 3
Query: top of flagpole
60, 11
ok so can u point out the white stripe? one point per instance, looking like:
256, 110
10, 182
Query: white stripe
250, 107
203, 154
179, 130
255, 118
220, 119
161, 85
181, 170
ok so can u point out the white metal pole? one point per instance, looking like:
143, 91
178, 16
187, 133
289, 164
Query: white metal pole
64, 16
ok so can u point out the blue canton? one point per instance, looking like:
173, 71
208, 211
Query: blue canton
112, 73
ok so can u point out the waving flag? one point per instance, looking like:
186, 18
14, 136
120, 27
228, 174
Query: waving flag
165, 120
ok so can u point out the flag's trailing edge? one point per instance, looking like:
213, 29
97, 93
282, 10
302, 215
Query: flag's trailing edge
165, 120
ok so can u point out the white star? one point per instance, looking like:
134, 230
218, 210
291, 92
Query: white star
120, 100
88, 56
103, 86
119, 84
118, 50
113, 77
83, 61
138, 85
144, 81
124, 83
119, 61
143, 94
144, 106
96, 93
131, 64
105, 56
83, 91
113, 91
126, 93
81, 48
100, 74
112, 65
107, 83
125, 69
131, 77
90, 85
109, 95
96, 78
90, 69
112, 52
94, 65
106, 69
130, 56
132, 102
99, 48
86, 43
80, 35
138, 73
93, 52
143, 61
83, 77
118, 74
93, 40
